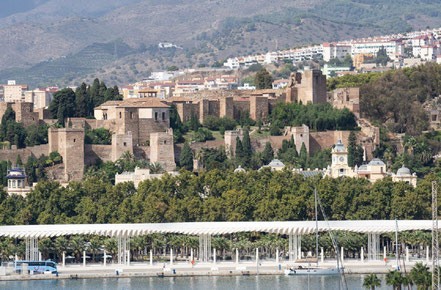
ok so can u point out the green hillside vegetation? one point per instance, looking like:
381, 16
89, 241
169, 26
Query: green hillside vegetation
395, 98
86, 45
65, 69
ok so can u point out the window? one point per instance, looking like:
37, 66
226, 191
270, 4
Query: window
125, 144
131, 115
163, 116
156, 116
75, 140
120, 115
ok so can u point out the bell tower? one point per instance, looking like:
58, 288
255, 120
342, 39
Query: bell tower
339, 155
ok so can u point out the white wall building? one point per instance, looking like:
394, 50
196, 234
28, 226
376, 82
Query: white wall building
392, 47
332, 51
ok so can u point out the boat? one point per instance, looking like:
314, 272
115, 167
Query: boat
316, 270
312, 271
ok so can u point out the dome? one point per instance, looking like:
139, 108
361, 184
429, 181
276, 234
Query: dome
376, 162
403, 171
339, 147
276, 163
239, 169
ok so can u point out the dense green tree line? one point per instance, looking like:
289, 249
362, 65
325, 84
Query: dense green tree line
67, 103
217, 195
14, 133
318, 117
97, 136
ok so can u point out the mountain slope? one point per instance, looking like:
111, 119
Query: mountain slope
208, 30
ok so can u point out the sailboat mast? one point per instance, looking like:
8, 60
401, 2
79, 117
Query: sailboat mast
316, 225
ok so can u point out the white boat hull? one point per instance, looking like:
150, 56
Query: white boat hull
312, 271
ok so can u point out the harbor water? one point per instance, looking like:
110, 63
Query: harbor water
198, 283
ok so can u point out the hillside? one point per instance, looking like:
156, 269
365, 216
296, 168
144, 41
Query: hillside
49, 41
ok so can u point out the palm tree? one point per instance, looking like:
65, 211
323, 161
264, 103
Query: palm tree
371, 281
395, 279
421, 276
94, 246
111, 246
156, 168
77, 245
46, 246
61, 245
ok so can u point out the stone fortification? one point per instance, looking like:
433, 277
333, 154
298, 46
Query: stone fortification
162, 149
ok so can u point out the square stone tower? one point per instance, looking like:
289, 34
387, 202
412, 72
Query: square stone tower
258, 107
69, 142
120, 144
230, 141
162, 149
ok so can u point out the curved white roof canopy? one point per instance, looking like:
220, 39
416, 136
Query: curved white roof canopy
212, 228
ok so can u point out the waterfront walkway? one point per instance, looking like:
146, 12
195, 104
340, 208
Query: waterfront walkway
182, 269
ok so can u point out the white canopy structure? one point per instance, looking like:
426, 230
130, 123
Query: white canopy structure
212, 228
293, 229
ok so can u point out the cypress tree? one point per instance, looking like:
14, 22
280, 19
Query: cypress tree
18, 162
303, 155
82, 101
268, 153
246, 144
239, 150
187, 157
355, 152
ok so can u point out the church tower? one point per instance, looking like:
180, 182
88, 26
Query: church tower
339, 166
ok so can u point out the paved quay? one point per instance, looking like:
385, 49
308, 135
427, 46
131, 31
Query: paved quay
185, 269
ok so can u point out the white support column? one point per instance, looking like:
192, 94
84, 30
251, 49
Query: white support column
119, 251
277, 255
204, 247
295, 247
171, 256
105, 258
322, 255
191, 257
84, 258
237, 256
384, 253
407, 254
373, 246
64, 259
257, 256
151, 257
290, 247
362, 254
39, 256
128, 258
15, 257
342, 254
427, 254
214, 256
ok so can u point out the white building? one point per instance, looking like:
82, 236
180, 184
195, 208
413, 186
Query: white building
40, 98
372, 47
139, 175
17, 182
372, 171
280, 84
404, 175
332, 51
275, 165
246, 86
